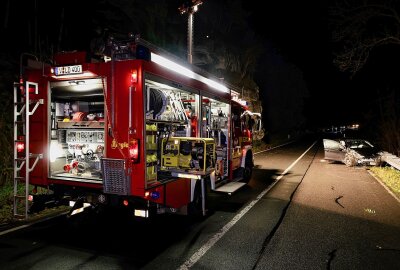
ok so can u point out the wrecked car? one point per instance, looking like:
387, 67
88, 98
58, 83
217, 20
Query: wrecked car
352, 152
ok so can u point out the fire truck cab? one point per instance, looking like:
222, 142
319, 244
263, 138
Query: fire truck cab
138, 128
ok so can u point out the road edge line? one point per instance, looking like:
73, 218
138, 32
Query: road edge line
273, 147
30, 224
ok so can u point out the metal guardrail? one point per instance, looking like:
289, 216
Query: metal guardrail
391, 159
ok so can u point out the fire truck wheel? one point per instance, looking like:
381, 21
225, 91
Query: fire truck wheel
195, 208
247, 171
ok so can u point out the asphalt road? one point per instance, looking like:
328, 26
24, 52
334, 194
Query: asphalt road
297, 212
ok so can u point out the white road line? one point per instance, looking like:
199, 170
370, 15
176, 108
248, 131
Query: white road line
272, 148
30, 224
214, 239
14, 229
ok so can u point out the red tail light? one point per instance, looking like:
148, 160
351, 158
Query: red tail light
134, 150
134, 76
20, 147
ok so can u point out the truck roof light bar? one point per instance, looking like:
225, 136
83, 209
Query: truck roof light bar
162, 61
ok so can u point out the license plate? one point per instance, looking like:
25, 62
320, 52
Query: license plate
68, 70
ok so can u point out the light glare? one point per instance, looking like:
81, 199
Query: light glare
186, 72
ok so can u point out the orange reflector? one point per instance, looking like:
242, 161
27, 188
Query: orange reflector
147, 194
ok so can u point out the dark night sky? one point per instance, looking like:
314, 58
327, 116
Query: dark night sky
294, 32
299, 30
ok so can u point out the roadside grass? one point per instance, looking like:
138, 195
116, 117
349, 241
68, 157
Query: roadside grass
259, 146
390, 177
6, 203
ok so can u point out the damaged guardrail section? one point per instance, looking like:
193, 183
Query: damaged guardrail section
391, 159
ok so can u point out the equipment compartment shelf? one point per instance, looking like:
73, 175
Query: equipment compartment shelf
80, 124
164, 121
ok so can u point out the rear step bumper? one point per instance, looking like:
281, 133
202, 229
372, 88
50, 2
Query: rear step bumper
230, 187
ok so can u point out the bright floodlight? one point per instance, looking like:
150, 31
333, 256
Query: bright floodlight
162, 61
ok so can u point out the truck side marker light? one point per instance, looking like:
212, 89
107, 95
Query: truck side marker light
153, 195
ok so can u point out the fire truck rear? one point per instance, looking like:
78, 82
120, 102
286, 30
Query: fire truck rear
137, 128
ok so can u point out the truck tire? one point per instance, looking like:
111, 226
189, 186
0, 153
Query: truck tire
247, 171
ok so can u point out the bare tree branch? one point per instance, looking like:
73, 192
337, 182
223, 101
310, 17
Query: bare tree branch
359, 28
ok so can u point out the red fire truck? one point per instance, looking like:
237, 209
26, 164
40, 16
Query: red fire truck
136, 127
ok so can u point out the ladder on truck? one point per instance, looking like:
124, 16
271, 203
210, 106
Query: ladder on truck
22, 155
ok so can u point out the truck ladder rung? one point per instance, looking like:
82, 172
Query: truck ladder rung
35, 155
24, 107
39, 100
